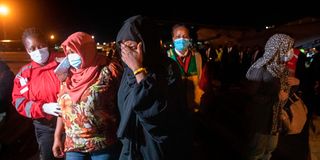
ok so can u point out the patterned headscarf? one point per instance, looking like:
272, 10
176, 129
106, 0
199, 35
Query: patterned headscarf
276, 47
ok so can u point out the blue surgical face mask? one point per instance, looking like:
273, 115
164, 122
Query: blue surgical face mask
74, 60
181, 44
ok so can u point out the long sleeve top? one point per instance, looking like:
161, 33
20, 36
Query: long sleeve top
153, 116
35, 85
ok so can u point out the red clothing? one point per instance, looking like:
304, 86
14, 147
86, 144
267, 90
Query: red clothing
293, 61
88, 98
35, 85
185, 63
88, 73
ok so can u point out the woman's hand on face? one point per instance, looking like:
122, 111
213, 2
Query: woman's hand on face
132, 56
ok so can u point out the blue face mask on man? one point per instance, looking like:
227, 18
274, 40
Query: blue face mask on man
74, 60
181, 44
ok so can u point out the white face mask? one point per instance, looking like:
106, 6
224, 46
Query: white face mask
287, 57
40, 56
74, 60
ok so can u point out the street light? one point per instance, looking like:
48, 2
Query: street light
52, 37
53, 40
4, 11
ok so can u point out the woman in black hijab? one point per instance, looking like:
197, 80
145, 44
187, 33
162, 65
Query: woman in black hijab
153, 115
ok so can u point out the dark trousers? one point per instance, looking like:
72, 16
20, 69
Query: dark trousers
45, 137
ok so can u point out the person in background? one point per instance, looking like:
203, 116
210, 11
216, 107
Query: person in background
154, 122
230, 66
270, 87
294, 146
307, 70
88, 103
190, 65
16, 131
6, 82
35, 90
292, 64
210, 84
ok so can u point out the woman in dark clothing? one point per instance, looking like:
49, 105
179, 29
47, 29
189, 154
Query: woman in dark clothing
153, 115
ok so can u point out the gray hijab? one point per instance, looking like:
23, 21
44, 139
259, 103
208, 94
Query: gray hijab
276, 47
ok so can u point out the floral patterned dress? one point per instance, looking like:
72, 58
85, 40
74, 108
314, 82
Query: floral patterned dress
91, 123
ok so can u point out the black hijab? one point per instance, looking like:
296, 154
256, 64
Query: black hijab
142, 29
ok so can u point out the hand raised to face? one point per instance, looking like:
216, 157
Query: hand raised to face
131, 54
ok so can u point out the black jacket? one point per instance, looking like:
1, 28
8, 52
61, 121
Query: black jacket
154, 121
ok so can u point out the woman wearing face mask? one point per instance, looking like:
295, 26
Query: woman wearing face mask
190, 65
35, 90
88, 103
270, 85
154, 122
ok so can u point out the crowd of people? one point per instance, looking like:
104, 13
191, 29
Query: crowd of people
142, 102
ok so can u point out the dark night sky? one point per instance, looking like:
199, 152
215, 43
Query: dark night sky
63, 17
